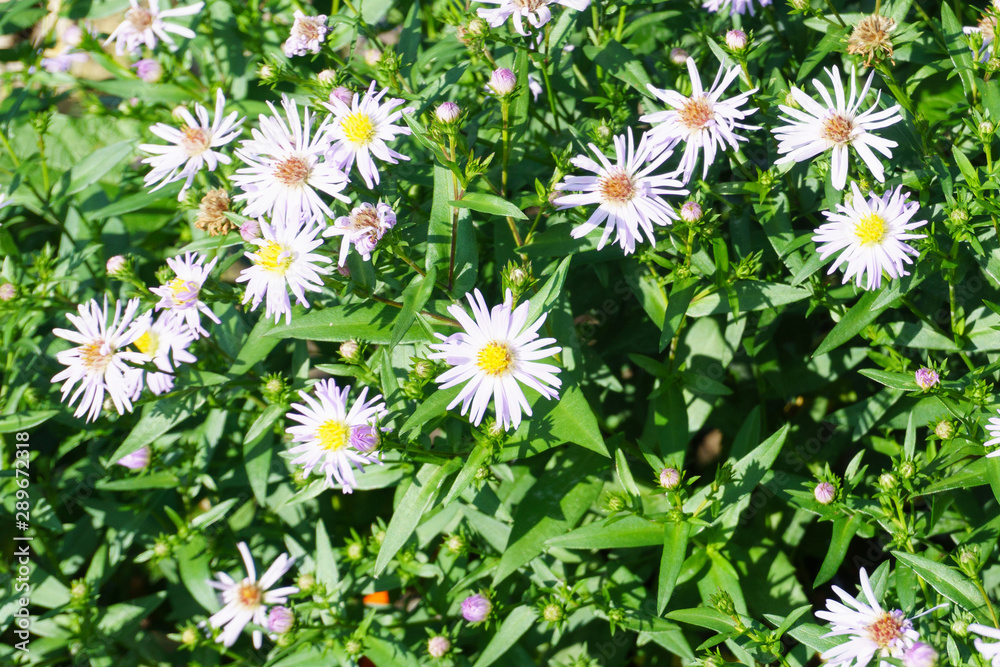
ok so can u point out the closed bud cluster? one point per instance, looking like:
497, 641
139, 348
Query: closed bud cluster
887, 481
723, 602
615, 503
274, 388
353, 647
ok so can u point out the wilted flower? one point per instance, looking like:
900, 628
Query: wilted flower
872, 38
212, 213
363, 228
927, 378
307, 35
476, 608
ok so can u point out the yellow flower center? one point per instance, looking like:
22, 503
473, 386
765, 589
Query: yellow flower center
270, 257
696, 113
195, 141
334, 435
358, 128
93, 359
184, 291
495, 359
616, 188
870, 229
885, 630
148, 343
837, 129
249, 595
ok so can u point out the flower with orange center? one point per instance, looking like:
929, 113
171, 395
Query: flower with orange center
870, 236
145, 26
307, 35
100, 360
704, 122
331, 437
246, 601
873, 633
363, 229
286, 170
837, 124
192, 147
630, 197
495, 353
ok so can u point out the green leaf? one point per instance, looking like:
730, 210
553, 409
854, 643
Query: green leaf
157, 420
479, 457
490, 204
369, 322
518, 621
414, 297
752, 295
553, 506
814, 636
411, 508
24, 420
681, 293
156, 480
844, 529
257, 450
192, 565
96, 165
970, 172
326, 565
869, 306
548, 292
257, 346
625, 475
112, 620
675, 540
958, 49
902, 381
566, 419
621, 63
703, 617
439, 236
434, 406
948, 582
632, 531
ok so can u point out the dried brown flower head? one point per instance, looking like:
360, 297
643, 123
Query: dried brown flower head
212, 213
872, 38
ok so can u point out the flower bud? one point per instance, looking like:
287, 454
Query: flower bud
250, 230
958, 216
927, 378
944, 430
116, 265
824, 493
73, 35
7, 292
678, 56
691, 211
887, 481
960, 627
189, 636
305, 582
438, 647
670, 478
342, 94
149, 70
423, 369
280, 620
365, 438
476, 608
736, 40
920, 655
137, 460
350, 350
553, 613
986, 128
615, 503
455, 544
327, 76
478, 27
355, 551
907, 470
503, 81
603, 133
353, 647
448, 112
79, 590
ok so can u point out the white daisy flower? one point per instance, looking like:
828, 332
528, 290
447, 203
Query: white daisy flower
284, 260
494, 352
363, 228
162, 339
993, 428
628, 195
872, 630
837, 125
246, 601
286, 168
360, 130
335, 439
100, 361
870, 236
181, 295
536, 12
191, 146
989, 650
702, 121
143, 25
307, 35
736, 6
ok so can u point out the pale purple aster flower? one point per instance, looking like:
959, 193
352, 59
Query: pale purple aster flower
927, 378
363, 228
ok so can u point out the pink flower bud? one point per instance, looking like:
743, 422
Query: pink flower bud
280, 620
136, 460
115, 264
691, 211
342, 94
669, 478
438, 647
476, 608
736, 40
7, 292
503, 81
149, 70
448, 112
920, 655
824, 493
927, 378
678, 56
250, 230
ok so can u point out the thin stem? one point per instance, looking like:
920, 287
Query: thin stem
836, 13
433, 316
